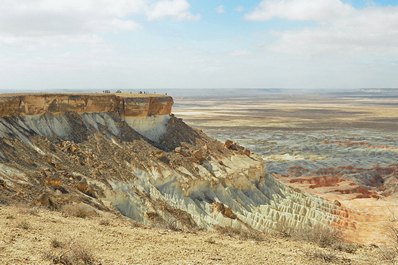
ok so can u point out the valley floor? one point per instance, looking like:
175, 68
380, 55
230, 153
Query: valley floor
39, 236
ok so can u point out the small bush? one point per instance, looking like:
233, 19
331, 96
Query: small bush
159, 222
345, 247
57, 244
24, 225
210, 240
105, 222
30, 211
324, 257
242, 234
73, 254
390, 252
79, 210
320, 235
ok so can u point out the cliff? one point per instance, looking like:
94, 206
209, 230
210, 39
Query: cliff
147, 114
126, 152
136, 105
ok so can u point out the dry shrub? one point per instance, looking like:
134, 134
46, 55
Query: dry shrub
71, 254
79, 210
210, 240
105, 222
159, 222
390, 252
320, 235
57, 244
393, 234
24, 225
243, 234
323, 257
31, 211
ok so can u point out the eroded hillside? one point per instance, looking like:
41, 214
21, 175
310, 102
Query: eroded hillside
147, 164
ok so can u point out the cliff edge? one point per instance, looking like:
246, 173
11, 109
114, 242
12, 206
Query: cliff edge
125, 104
128, 153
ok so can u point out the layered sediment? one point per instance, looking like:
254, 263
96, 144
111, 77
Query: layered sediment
147, 114
130, 153
135, 105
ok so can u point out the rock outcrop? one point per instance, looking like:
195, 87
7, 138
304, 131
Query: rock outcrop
134, 105
128, 153
147, 114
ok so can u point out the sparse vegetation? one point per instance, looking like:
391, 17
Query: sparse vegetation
78, 210
322, 236
24, 225
323, 257
390, 252
57, 244
69, 254
31, 211
210, 240
105, 222
243, 234
160, 222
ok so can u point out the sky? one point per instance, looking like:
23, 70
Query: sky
133, 44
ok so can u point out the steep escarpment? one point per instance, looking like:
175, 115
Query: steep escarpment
131, 155
147, 114
134, 105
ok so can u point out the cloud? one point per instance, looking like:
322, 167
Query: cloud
317, 10
220, 9
339, 28
171, 8
35, 20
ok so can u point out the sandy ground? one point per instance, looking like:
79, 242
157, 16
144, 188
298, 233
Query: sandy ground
305, 113
27, 236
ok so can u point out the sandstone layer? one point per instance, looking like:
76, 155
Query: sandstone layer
136, 105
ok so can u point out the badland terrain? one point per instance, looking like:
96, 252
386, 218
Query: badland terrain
129, 179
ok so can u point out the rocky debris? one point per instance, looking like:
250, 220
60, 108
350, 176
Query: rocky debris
182, 151
199, 156
337, 203
231, 145
47, 201
196, 155
159, 154
69, 147
224, 210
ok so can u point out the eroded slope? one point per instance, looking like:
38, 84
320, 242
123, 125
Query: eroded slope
182, 179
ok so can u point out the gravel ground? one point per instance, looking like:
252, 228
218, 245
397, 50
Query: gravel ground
39, 236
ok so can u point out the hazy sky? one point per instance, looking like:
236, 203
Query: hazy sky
198, 43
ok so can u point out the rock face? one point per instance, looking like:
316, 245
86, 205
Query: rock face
126, 153
147, 114
125, 104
